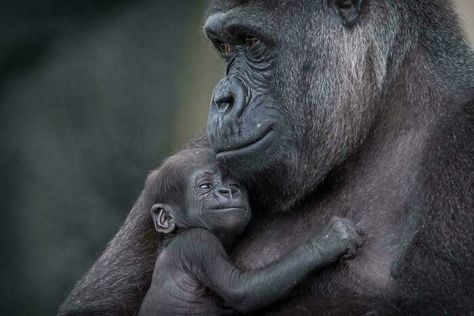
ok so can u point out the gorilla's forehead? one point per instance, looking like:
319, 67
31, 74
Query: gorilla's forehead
222, 5
257, 17
226, 5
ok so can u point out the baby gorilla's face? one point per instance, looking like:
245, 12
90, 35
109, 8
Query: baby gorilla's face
220, 205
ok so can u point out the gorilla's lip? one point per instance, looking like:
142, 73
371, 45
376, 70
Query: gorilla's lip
249, 144
228, 209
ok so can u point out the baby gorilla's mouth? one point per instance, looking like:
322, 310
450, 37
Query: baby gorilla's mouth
228, 209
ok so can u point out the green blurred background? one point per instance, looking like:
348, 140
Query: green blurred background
93, 95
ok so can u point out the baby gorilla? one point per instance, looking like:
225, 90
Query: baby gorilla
202, 212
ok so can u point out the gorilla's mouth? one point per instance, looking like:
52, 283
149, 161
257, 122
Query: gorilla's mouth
262, 139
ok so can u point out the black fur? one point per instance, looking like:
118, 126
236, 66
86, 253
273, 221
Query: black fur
378, 128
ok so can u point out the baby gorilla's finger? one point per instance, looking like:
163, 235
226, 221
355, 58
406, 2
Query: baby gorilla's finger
360, 237
350, 254
348, 223
350, 228
360, 231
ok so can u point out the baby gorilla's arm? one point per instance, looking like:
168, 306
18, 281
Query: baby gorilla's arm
252, 290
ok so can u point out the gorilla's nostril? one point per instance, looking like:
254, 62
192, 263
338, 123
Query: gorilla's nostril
224, 103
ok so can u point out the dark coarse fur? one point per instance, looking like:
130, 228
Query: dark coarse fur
379, 129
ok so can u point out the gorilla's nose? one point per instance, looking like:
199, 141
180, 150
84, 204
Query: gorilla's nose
229, 98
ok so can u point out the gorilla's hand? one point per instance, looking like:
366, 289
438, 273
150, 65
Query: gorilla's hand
339, 239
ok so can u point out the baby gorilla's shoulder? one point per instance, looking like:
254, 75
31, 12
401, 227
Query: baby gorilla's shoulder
193, 247
197, 237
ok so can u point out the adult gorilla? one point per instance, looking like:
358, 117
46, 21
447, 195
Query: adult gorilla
361, 109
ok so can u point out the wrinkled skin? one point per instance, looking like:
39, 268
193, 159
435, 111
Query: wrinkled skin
371, 110
213, 203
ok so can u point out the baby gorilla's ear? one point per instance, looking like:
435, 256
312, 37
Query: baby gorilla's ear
163, 218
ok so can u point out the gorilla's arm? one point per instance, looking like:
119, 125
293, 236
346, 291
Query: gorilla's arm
118, 280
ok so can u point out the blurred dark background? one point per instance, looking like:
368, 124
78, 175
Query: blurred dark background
93, 94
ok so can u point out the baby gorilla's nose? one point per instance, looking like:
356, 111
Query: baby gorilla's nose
224, 192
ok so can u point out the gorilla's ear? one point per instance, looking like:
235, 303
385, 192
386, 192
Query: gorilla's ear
347, 10
163, 218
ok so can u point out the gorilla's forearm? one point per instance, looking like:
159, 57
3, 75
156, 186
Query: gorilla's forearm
120, 277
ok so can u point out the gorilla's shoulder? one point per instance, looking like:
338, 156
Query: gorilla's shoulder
196, 238
449, 155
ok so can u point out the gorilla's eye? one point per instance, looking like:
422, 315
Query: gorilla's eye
251, 42
226, 49
345, 4
205, 186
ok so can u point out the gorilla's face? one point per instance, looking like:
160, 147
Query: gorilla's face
246, 126
301, 88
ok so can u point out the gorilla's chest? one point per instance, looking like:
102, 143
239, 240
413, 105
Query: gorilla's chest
269, 239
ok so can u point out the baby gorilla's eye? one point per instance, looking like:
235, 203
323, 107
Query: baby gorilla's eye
234, 187
205, 186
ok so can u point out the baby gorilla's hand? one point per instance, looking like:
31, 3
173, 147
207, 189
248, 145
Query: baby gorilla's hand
340, 238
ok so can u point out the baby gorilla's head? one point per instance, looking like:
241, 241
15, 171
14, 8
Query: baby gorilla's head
191, 192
